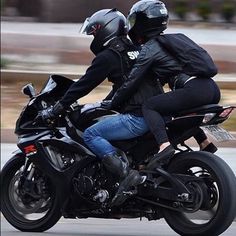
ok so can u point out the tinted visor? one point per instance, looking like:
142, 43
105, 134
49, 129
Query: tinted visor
84, 27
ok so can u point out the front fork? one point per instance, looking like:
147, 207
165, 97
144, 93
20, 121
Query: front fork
31, 172
29, 185
30, 167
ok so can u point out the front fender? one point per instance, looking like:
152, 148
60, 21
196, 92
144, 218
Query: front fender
16, 154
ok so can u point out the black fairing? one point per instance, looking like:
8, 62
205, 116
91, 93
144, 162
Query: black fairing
53, 90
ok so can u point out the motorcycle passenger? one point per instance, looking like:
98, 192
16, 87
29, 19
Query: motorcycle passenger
147, 20
115, 55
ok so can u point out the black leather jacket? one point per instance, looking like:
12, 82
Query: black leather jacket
153, 59
106, 65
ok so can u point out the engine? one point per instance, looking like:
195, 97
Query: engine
94, 184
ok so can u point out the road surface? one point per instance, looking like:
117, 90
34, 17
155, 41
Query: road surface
104, 227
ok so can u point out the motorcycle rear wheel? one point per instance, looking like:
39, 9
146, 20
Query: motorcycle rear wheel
215, 216
27, 213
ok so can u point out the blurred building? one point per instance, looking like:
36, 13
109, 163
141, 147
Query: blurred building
78, 10
61, 10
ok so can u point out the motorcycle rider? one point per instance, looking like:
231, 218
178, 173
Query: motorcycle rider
115, 55
147, 20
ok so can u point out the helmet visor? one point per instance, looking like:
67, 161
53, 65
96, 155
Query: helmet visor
131, 21
84, 27
156, 11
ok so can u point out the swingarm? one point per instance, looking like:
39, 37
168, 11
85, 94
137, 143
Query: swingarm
169, 190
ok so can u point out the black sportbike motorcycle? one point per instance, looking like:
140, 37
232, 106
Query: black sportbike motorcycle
54, 174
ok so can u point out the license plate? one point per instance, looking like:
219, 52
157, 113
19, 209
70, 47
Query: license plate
218, 133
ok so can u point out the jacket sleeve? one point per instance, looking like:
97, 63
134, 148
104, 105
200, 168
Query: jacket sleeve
95, 75
135, 78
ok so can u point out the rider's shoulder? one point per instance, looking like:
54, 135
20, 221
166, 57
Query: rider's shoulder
106, 55
151, 44
150, 48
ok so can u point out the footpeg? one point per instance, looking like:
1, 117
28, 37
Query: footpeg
130, 193
101, 196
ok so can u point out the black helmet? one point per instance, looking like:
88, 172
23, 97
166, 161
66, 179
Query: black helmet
147, 18
104, 25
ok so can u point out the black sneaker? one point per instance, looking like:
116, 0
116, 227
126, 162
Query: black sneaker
161, 158
133, 179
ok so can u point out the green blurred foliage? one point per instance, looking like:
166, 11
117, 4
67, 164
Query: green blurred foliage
181, 8
228, 10
2, 4
204, 9
4, 63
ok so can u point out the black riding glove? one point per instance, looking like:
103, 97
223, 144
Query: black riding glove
49, 114
106, 104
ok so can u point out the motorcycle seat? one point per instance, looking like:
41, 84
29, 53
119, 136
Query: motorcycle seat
201, 109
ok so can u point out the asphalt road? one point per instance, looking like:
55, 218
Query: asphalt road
102, 227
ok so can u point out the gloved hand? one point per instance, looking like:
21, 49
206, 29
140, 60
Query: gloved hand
106, 104
49, 114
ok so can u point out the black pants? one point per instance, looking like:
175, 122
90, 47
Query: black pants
197, 92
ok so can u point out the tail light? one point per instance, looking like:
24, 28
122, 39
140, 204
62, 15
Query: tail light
226, 112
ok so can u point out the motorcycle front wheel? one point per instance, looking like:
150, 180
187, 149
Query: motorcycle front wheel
29, 205
215, 212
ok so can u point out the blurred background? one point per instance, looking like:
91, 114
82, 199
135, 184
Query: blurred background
77, 10
40, 37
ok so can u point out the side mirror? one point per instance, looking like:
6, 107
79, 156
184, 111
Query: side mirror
29, 90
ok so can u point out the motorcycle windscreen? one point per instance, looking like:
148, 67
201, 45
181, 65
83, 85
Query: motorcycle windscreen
56, 85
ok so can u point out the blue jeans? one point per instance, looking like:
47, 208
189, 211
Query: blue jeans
117, 127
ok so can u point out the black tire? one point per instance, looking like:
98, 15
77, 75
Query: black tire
225, 209
15, 217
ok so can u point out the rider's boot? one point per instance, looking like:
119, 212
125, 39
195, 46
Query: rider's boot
161, 158
119, 166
